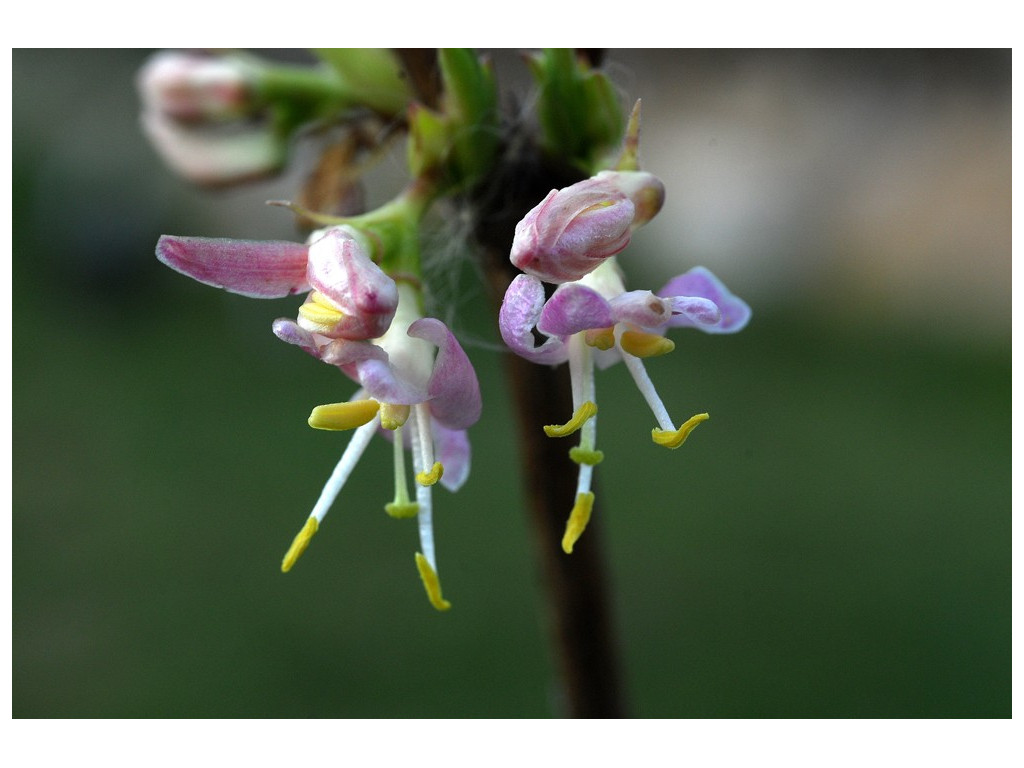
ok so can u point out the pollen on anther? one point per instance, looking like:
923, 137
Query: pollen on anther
319, 312
393, 416
673, 439
601, 338
578, 519
299, 544
340, 416
640, 344
431, 583
431, 477
579, 418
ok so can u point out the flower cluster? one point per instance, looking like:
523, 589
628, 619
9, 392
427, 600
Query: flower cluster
221, 118
416, 385
570, 240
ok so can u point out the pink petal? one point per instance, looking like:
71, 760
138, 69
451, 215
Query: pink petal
574, 308
288, 330
453, 387
520, 311
381, 383
256, 268
451, 448
702, 283
646, 310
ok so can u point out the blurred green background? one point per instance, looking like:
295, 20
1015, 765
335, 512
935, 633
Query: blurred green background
834, 542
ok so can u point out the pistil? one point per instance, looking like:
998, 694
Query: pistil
402, 506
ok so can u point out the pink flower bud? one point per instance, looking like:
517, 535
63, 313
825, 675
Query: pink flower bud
190, 88
573, 230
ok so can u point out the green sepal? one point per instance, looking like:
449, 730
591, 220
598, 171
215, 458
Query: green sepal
428, 146
456, 146
578, 110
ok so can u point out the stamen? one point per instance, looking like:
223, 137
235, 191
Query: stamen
393, 416
641, 344
588, 456
421, 435
579, 418
401, 507
636, 369
319, 312
673, 439
339, 416
299, 544
602, 338
431, 583
578, 519
343, 469
431, 477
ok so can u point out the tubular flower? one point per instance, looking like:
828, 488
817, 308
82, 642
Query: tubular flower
416, 384
593, 320
418, 388
350, 297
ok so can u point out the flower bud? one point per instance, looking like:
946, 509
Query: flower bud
194, 89
573, 230
352, 297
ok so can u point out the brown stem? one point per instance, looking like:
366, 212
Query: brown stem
574, 586
576, 595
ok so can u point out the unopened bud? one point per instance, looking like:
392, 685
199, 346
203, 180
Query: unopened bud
192, 89
575, 229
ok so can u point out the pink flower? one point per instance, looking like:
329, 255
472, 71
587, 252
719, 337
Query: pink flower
418, 388
416, 384
590, 319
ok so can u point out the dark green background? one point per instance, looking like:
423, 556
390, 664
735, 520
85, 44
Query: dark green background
834, 542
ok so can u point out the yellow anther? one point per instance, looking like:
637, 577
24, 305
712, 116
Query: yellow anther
579, 418
671, 439
401, 510
602, 338
431, 583
586, 455
393, 416
640, 344
348, 415
320, 311
299, 544
431, 477
578, 519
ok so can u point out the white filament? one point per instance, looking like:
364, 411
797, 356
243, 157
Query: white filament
353, 451
419, 421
